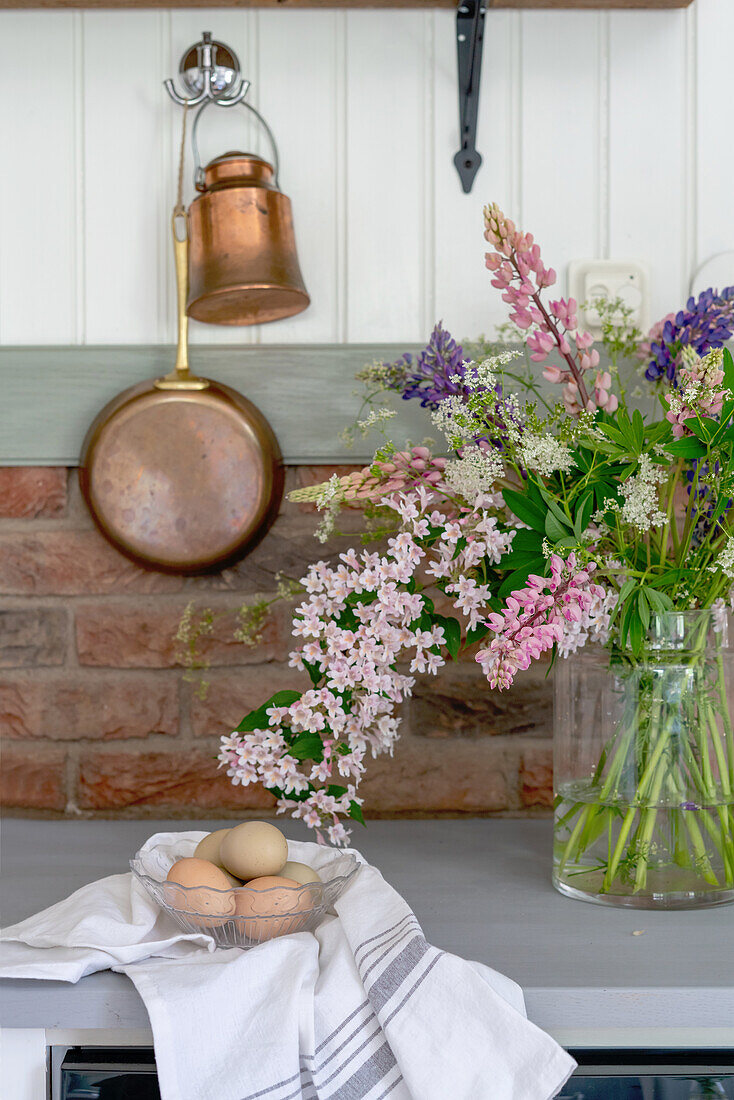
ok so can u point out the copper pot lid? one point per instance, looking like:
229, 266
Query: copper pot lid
235, 169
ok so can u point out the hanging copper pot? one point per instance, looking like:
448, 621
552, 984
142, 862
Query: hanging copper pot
243, 267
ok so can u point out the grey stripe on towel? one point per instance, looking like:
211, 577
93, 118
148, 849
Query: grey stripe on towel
374, 1070
384, 987
408, 916
389, 946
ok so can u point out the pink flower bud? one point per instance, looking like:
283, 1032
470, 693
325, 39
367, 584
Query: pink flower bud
554, 374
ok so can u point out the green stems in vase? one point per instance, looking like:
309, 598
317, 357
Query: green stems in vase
651, 822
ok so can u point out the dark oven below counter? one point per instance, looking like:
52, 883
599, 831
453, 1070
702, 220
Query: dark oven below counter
129, 1073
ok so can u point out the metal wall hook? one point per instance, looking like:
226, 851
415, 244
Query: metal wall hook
210, 71
469, 44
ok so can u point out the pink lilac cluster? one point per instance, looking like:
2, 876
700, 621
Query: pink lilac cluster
701, 382
403, 471
534, 619
520, 274
351, 710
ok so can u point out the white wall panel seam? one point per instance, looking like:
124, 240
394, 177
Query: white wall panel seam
166, 194
427, 170
603, 136
515, 144
78, 153
341, 181
689, 189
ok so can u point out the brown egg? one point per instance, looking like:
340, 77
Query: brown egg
270, 898
208, 849
300, 872
204, 902
254, 849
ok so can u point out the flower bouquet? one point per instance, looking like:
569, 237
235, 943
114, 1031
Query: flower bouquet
539, 528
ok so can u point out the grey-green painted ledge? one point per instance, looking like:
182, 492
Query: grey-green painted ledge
50, 395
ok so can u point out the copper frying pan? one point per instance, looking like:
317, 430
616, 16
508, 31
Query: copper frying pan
181, 474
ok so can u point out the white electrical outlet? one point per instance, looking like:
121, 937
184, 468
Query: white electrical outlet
625, 279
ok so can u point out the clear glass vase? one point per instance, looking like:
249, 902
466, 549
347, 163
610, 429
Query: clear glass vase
644, 769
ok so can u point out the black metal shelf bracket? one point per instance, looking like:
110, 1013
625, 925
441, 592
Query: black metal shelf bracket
469, 43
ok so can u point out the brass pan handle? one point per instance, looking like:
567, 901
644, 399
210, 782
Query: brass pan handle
181, 377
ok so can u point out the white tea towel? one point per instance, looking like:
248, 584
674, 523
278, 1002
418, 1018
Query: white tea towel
361, 1009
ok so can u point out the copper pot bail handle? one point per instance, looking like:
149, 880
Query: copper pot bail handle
199, 171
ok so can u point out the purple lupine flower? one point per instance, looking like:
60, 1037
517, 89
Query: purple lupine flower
438, 372
431, 375
706, 322
704, 503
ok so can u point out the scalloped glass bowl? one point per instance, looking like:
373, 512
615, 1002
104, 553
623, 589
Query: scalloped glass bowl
184, 904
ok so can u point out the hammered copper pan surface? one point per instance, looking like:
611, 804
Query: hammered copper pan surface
182, 480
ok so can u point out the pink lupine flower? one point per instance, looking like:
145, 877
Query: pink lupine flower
533, 619
403, 471
519, 273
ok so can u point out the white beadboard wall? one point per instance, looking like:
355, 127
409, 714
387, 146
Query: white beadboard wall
604, 133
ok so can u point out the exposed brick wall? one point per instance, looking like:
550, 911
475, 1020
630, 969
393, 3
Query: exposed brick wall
98, 718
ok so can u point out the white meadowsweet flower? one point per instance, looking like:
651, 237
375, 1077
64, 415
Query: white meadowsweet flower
481, 376
725, 561
544, 454
474, 474
640, 492
374, 418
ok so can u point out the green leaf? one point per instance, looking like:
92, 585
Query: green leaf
476, 634
660, 432
451, 632
355, 811
583, 459
636, 635
517, 561
624, 593
658, 601
643, 608
688, 447
583, 513
553, 529
728, 370
526, 541
314, 672
703, 428
258, 719
611, 431
308, 746
555, 508
518, 577
524, 509
727, 409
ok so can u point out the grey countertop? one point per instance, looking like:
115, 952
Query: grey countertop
481, 889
